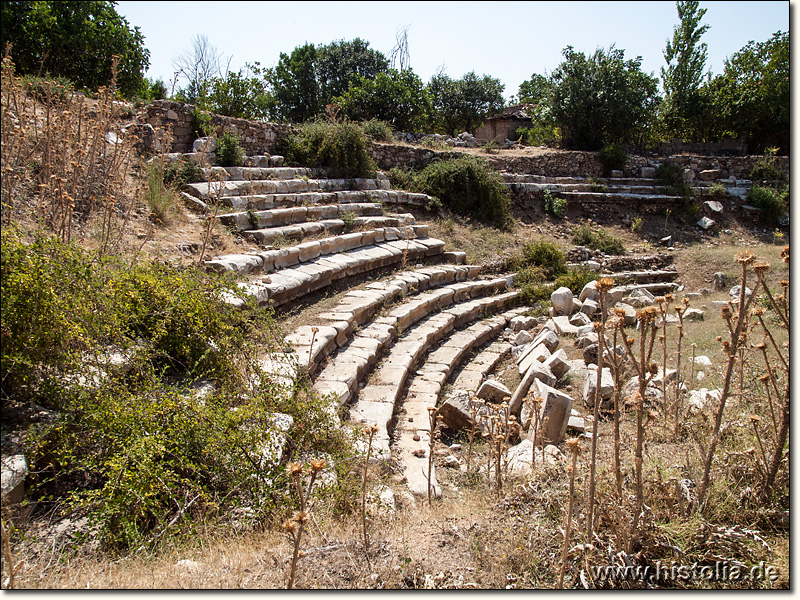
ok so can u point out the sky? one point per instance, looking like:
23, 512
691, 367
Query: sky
505, 40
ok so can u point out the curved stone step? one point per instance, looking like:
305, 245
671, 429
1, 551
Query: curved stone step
279, 217
376, 401
343, 373
272, 260
254, 173
216, 190
357, 307
412, 432
300, 231
621, 198
621, 277
311, 275
475, 371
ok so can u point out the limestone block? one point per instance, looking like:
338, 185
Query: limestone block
563, 326
694, 314
455, 411
554, 413
590, 386
562, 301
523, 337
589, 307
558, 363
589, 291
539, 353
493, 391
537, 371
579, 319
629, 317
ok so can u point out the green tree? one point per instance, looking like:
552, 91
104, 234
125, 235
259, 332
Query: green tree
751, 96
295, 87
685, 108
602, 99
463, 104
338, 63
397, 97
76, 40
241, 94
535, 90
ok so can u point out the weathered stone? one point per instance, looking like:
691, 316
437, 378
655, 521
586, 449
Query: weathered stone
589, 307
705, 223
720, 281
702, 361
577, 424
557, 363
562, 301
647, 172
523, 337
712, 206
493, 391
563, 326
698, 399
455, 411
590, 353
14, 472
693, 314
737, 290
709, 174
586, 339
521, 323
629, 317
590, 386
554, 413
539, 353
536, 371
579, 319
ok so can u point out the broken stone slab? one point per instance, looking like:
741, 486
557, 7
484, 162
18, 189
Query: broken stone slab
629, 313
713, 206
540, 353
589, 291
493, 391
589, 307
455, 410
554, 413
537, 371
702, 361
693, 314
14, 472
586, 339
698, 399
706, 224
563, 326
521, 323
523, 337
562, 301
577, 424
590, 386
737, 290
558, 363
578, 319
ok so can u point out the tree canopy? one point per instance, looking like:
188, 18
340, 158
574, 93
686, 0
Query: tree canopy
75, 40
601, 99
463, 104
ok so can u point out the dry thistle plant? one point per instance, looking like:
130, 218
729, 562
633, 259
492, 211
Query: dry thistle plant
296, 524
572, 444
603, 286
370, 432
737, 331
645, 370
534, 403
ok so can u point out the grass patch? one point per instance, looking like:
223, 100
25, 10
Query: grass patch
597, 239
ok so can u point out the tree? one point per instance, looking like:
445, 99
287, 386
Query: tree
601, 99
535, 90
75, 40
197, 67
398, 97
684, 106
295, 87
463, 104
752, 94
338, 63
242, 94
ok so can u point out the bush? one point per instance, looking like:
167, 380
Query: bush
58, 89
597, 239
613, 157
669, 176
774, 203
133, 447
544, 255
377, 130
340, 148
766, 168
468, 186
576, 279
180, 172
161, 196
229, 150
553, 205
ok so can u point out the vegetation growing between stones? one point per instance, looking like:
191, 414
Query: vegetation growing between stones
229, 150
339, 147
467, 186
597, 238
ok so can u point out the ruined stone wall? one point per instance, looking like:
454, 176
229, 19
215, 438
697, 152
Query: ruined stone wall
256, 137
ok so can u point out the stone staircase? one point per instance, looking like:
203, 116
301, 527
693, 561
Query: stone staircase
384, 351
639, 192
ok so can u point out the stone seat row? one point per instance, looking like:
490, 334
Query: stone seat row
346, 369
412, 432
334, 328
376, 401
219, 190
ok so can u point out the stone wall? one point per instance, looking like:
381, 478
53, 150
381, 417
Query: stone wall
256, 137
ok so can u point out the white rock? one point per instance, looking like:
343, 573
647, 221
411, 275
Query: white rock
703, 361
562, 301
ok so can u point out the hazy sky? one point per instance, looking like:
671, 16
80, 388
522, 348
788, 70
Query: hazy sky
506, 40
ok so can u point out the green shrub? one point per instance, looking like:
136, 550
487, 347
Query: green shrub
537, 135
554, 205
58, 89
613, 158
180, 172
767, 169
576, 279
377, 130
161, 197
544, 255
135, 449
669, 176
340, 148
774, 203
468, 186
402, 178
597, 239
229, 150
